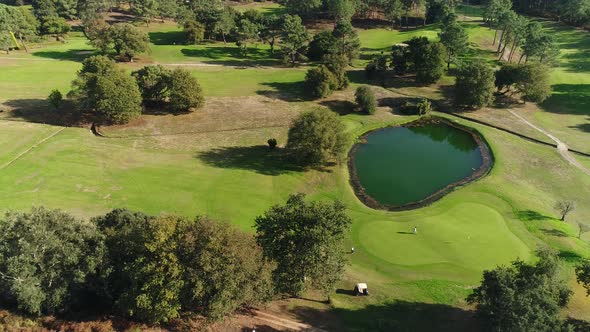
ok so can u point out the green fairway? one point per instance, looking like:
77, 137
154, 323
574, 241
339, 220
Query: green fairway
215, 162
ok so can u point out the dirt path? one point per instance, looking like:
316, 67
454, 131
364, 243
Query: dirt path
287, 324
561, 146
31, 148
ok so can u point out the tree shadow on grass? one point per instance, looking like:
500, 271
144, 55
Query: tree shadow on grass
342, 107
578, 324
570, 256
288, 91
39, 111
167, 37
569, 99
231, 56
402, 316
554, 232
77, 55
530, 215
259, 159
585, 127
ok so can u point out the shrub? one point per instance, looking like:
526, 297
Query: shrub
55, 98
365, 98
320, 82
475, 85
185, 91
154, 83
322, 44
424, 107
272, 143
317, 137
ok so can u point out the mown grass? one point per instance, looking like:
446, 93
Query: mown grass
174, 164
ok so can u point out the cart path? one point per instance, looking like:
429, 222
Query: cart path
288, 324
561, 146
10, 162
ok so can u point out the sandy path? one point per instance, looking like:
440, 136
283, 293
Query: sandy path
562, 148
288, 324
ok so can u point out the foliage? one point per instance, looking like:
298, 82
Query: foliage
246, 31
294, 38
185, 91
337, 64
194, 31
323, 43
301, 7
19, 21
523, 297
317, 137
424, 107
227, 22
401, 59
224, 269
377, 68
154, 83
128, 40
305, 239
347, 40
46, 257
55, 98
272, 143
107, 91
475, 85
365, 98
430, 63
454, 38
583, 275
145, 9
56, 26
530, 80
146, 279
320, 82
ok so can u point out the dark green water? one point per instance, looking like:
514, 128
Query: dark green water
402, 165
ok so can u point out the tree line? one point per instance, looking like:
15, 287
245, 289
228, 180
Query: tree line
153, 268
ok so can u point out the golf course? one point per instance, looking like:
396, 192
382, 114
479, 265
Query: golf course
420, 264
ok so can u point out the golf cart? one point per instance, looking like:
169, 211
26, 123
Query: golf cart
361, 289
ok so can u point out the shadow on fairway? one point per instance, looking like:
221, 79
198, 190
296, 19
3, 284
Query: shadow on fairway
402, 316
290, 91
39, 111
555, 232
167, 37
254, 158
406, 233
231, 56
71, 55
342, 107
568, 99
529, 215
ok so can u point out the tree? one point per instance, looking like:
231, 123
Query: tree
106, 91
185, 91
320, 82
305, 239
583, 275
317, 137
523, 297
46, 256
475, 85
153, 83
56, 26
377, 68
564, 208
347, 40
430, 64
146, 278
271, 30
394, 11
55, 98
226, 23
194, 31
294, 38
246, 32
224, 269
454, 38
401, 59
128, 40
301, 7
322, 44
341, 9
146, 10
530, 80
337, 64
20, 22
365, 98
582, 228
438, 10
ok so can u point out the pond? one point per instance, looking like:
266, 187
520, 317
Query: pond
400, 168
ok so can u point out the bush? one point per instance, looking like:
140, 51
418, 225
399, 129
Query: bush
475, 85
320, 82
185, 91
365, 98
322, 44
154, 83
272, 143
46, 257
55, 98
424, 107
317, 137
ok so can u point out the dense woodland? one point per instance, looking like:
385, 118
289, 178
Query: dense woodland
154, 268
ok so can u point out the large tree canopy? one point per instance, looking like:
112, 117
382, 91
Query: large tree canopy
306, 241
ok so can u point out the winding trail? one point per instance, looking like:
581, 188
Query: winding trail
285, 323
562, 148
